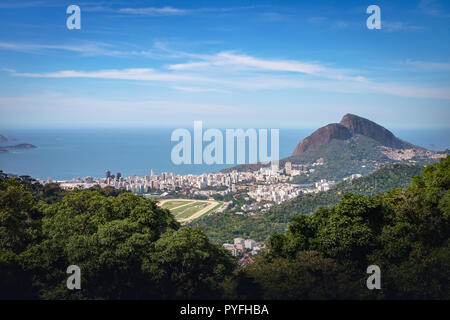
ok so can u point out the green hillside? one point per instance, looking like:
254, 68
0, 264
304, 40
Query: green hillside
224, 227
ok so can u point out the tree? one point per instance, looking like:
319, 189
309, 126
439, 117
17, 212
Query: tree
187, 265
309, 276
109, 238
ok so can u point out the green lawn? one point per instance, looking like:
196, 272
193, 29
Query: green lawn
189, 212
178, 210
173, 204
183, 209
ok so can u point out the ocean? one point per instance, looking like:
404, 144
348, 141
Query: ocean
63, 154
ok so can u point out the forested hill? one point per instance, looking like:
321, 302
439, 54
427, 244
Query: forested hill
380, 181
224, 227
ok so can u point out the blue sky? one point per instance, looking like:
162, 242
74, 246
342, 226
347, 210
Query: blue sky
229, 63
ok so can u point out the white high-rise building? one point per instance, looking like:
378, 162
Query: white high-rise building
288, 168
274, 167
249, 244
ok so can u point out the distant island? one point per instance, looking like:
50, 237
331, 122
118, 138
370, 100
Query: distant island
5, 149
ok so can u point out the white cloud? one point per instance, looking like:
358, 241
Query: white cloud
140, 74
428, 66
432, 8
18, 5
392, 26
230, 59
164, 11
85, 48
229, 70
252, 82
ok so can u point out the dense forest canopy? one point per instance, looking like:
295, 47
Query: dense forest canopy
129, 248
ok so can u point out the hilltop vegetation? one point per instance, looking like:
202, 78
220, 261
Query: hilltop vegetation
405, 232
342, 158
380, 181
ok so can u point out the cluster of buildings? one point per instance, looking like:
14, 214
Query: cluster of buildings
324, 185
224, 182
242, 247
352, 177
266, 184
408, 154
277, 192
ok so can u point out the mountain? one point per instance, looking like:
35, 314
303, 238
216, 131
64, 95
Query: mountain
323, 136
354, 145
3, 139
350, 126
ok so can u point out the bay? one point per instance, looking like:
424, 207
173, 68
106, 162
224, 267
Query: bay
64, 154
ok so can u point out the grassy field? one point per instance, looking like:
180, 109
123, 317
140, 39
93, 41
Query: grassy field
178, 210
173, 204
192, 210
186, 210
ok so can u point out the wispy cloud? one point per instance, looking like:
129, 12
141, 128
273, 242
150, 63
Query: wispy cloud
316, 20
333, 22
272, 16
230, 61
428, 66
240, 61
336, 22
229, 70
392, 26
164, 11
138, 74
88, 49
219, 82
85, 48
433, 8
168, 10
21, 5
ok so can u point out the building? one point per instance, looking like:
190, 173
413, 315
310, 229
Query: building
249, 244
274, 167
288, 168
244, 248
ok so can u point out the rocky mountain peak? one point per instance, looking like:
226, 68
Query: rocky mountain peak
349, 126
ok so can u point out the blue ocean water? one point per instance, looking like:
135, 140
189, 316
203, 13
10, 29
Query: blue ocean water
69, 153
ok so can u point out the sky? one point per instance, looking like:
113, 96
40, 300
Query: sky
229, 63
